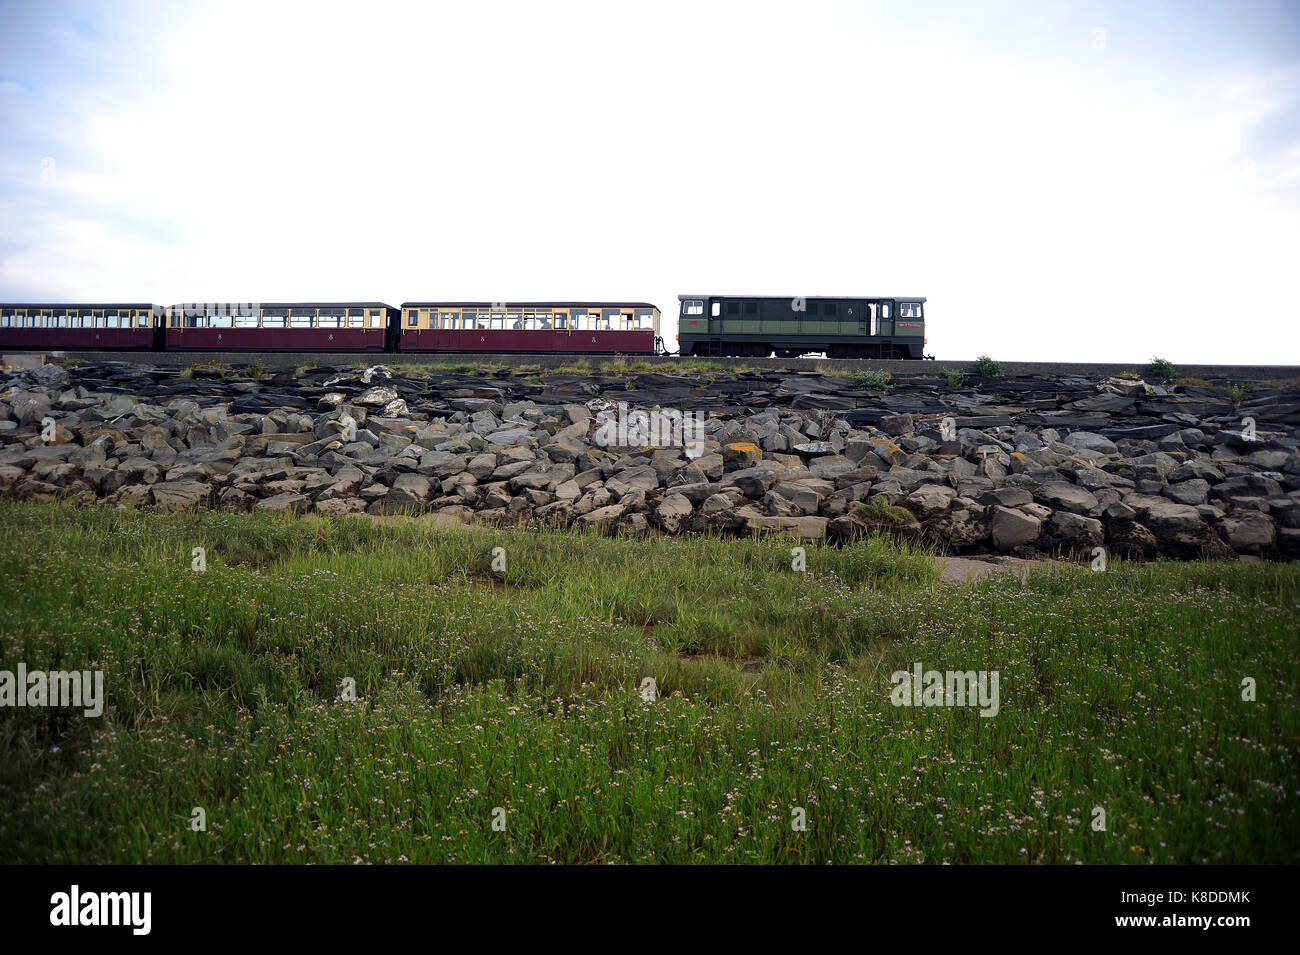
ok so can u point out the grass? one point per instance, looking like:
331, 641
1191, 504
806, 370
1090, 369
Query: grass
519, 689
1161, 370
872, 381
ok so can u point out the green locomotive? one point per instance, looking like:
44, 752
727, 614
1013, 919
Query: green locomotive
750, 326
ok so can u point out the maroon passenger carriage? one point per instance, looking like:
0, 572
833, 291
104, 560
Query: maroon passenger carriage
626, 328
109, 326
281, 326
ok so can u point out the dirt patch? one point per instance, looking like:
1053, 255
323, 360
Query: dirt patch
959, 570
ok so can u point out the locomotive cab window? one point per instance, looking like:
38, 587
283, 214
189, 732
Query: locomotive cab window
693, 308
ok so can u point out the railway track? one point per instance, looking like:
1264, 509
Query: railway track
1235, 373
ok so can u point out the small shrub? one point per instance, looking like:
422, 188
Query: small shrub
954, 377
880, 511
1237, 392
872, 381
1161, 370
986, 367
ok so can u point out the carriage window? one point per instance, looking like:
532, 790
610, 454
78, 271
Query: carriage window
110, 319
576, 317
412, 317
693, 308
376, 318
223, 317
644, 318
246, 318
301, 317
331, 318
274, 317
356, 317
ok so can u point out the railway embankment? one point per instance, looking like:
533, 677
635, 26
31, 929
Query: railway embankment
1087, 465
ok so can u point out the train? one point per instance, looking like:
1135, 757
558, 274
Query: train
714, 325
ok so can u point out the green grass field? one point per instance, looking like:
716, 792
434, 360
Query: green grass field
519, 689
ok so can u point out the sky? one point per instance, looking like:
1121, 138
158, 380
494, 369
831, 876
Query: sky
1062, 181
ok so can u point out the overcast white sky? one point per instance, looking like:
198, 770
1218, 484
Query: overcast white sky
1095, 181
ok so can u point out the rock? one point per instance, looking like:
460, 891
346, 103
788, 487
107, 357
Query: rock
176, 495
1089, 441
1068, 497
1191, 491
292, 503
379, 396
1011, 528
929, 500
813, 449
1177, 523
673, 512
752, 482
1076, 532
1250, 533
741, 454
808, 528
602, 517
896, 424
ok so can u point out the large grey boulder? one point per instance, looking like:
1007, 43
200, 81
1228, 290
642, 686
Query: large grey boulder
1011, 528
